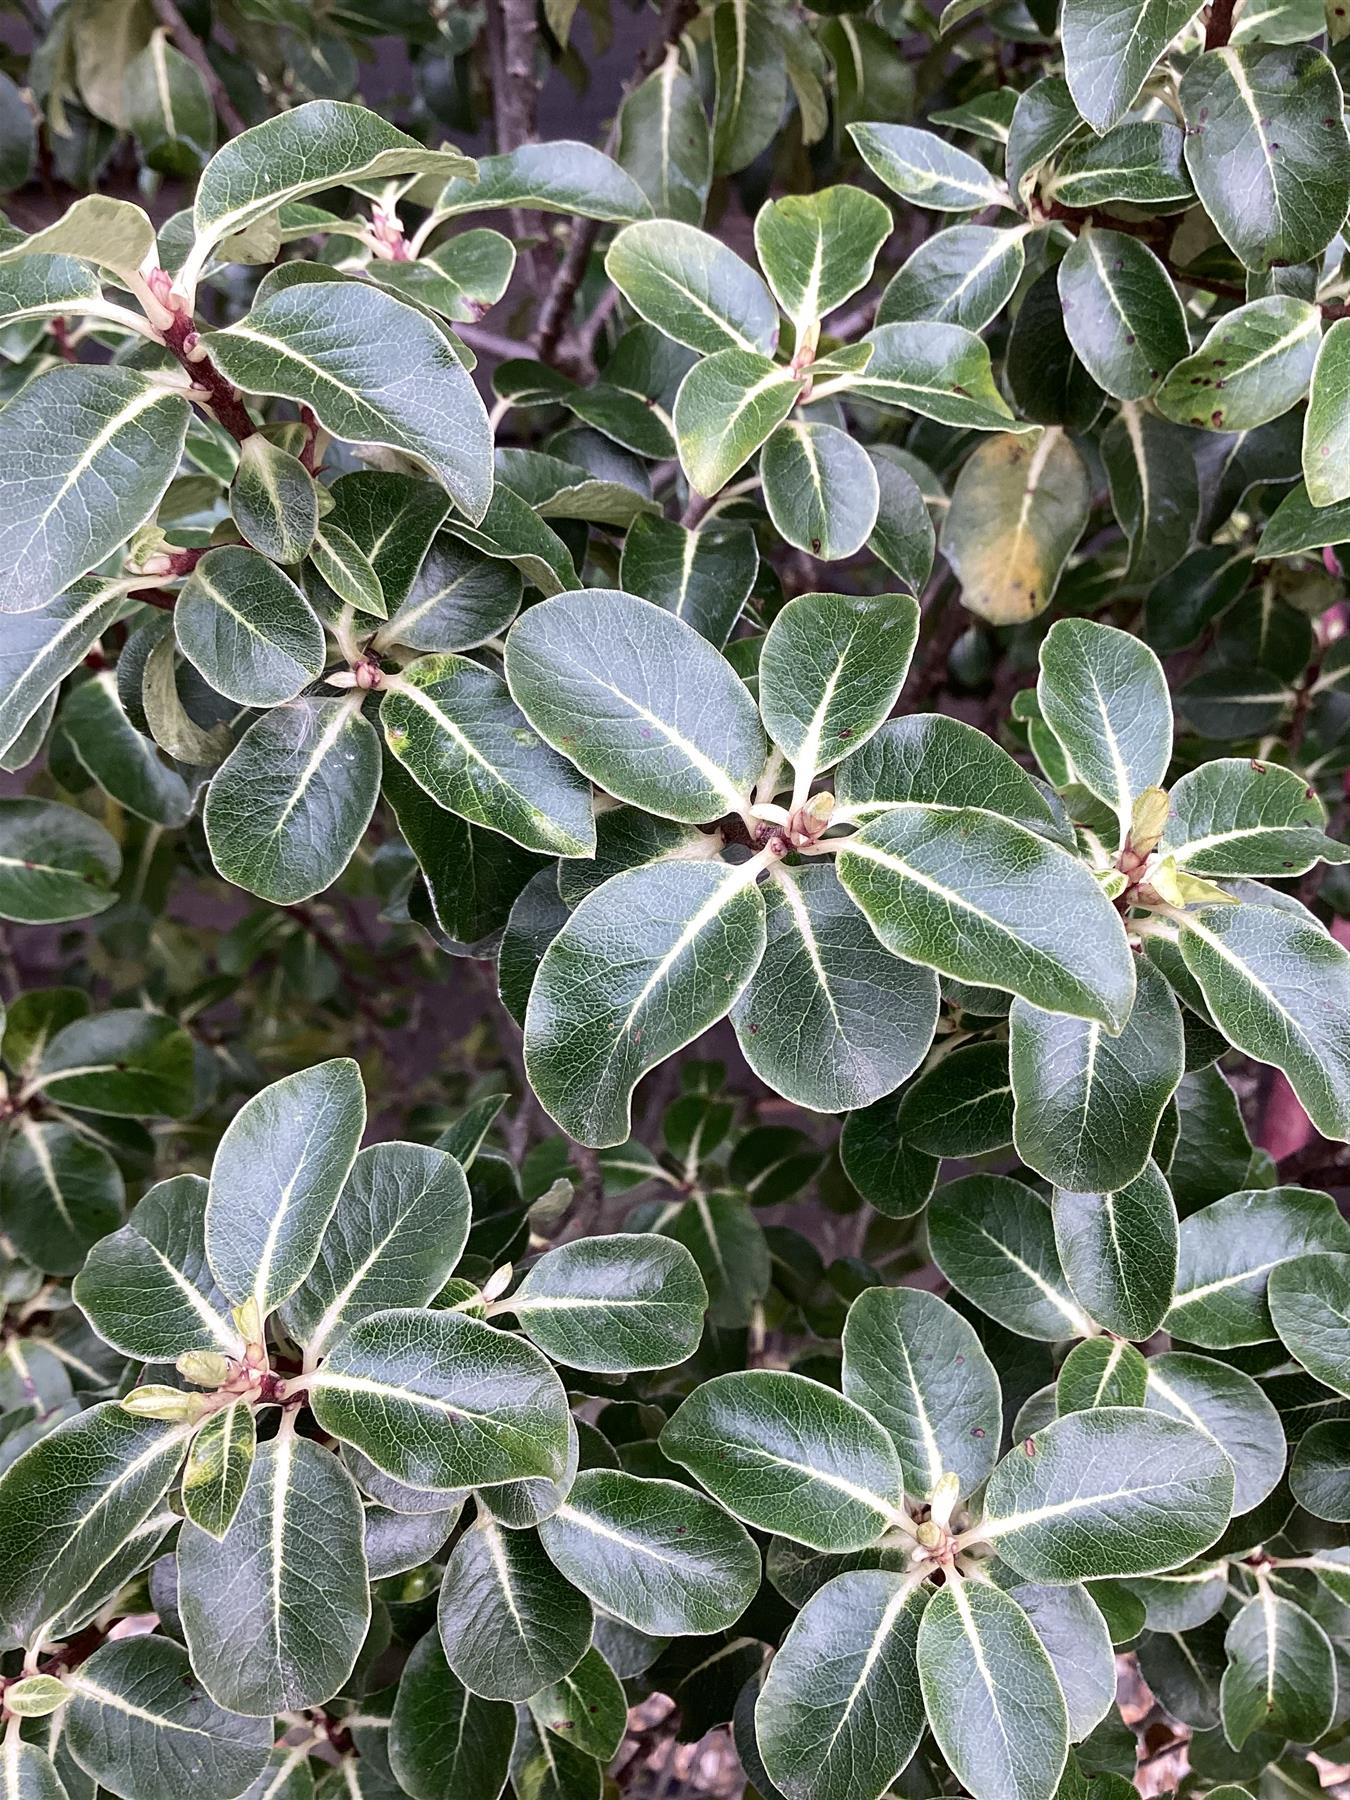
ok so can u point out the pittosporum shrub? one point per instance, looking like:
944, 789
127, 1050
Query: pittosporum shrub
771, 623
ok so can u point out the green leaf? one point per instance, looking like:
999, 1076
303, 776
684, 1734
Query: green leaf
638, 701
69, 1503
509, 1622
1281, 1674
830, 671
751, 84
643, 965
976, 1650
919, 1368
287, 808
276, 1179
444, 1742
932, 759
665, 145
96, 228
59, 1194
140, 1724
274, 501
1309, 1298
1267, 149
1088, 1105
275, 1612
1122, 314
457, 600
962, 1105
87, 454
340, 562
1100, 1372
1228, 1250
1114, 1491
56, 863
558, 177
839, 1715
1104, 695
395, 519
704, 577
1155, 494
981, 898
728, 404
440, 1400
586, 1708
817, 250
993, 1239
169, 109
219, 1462
820, 488
1255, 364
348, 351
1326, 438
1235, 816
323, 144
962, 276
41, 648
926, 170
830, 1019
461, 279
1319, 1471
44, 287
544, 1767
938, 370
1297, 524
129, 1062
28, 1773
1139, 163
655, 1554
726, 1240
692, 287
123, 762
1110, 47
148, 1289
613, 1304
1235, 1412
397, 1233
1278, 986
1119, 1251
456, 729
247, 627
1018, 509
788, 1455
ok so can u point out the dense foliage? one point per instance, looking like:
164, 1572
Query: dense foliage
853, 564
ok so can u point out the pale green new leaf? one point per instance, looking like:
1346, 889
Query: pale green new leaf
817, 250
218, 1466
1326, 430
728, 404
926, 170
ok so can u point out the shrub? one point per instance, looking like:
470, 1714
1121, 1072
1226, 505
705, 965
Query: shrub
889, 1448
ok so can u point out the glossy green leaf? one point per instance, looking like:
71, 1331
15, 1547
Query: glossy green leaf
1088, 1105
820, 488
440, 1400
1228, 1250
287, 808
96, 228
40, 648
704, 577
586, 1708
274, 501
45, 287
1138, 163
839, 1714
1309, 1299
655, 1554
563, 177
614, 1304
1104, 695
1270, 205
141, 1725
1279, 988
692, 287
87, 454
399, 1227
788, 1455
979, 898
929, 758
1118, 1490
750, 84
373, 370
938, 370
461, 278
993, 1238
456, 601
248, 628
1122, 314
728, 404
1281, 1674
1255, 364
726, 1240
56, 863
347, 570
1099, 1372
124, 762
444, 1742
59, 1195
665, 144
926, 170
130, 1063
817, 250
830, 1019
918, 1367
1326, 432
961, 1105
1232, 1408
976, 1649
1155, 494
1110, 47
1235, 816
962, 276
638, 701
1319, 1471
1119, 1252
148, 1289
643, 965
509, 1622
27, 1773
276, 1178
218, 1466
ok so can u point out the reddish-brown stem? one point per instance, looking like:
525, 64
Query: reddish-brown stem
182, 341
1219, 26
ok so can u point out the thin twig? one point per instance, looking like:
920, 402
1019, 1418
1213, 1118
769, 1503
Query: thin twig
187, 41
1219, 26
